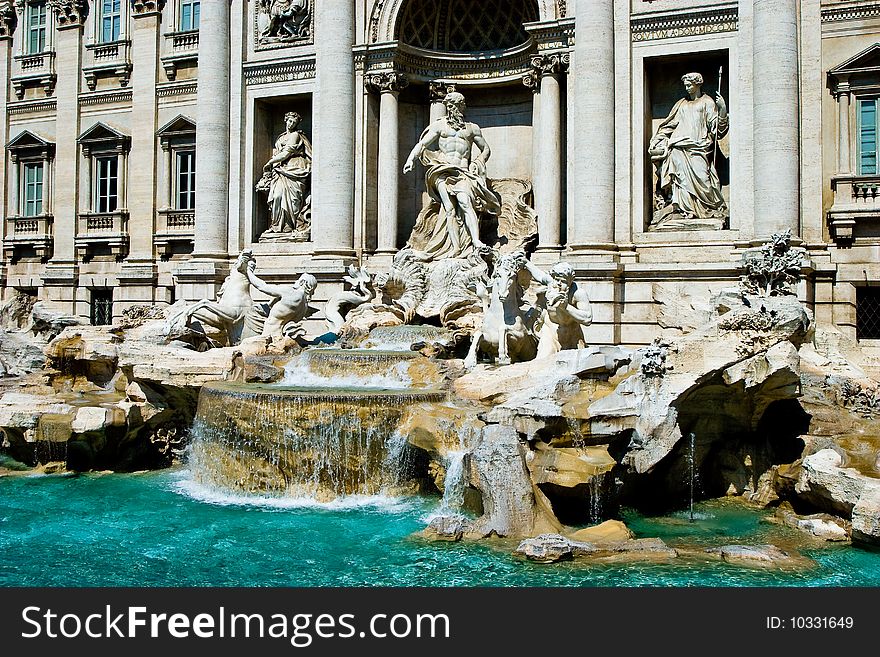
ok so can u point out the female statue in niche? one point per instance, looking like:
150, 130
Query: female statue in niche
688, 192
286, 180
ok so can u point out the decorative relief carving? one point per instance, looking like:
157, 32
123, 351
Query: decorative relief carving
417, 65
386, 81
176, 89
70, 13
29, 107
283, 22
140, 7
284, 72
8, 19
667, 26
851, 13
437, 91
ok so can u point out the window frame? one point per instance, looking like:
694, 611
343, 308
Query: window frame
115, 15
190, 193
860, 100
39, 185
104, 296
195, 11
30, 29
112, 178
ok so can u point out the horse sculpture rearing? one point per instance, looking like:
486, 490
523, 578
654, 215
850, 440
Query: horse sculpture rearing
504, 331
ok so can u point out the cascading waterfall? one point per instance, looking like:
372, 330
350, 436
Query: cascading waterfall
455, 482
304, 442
596, 482
350, 368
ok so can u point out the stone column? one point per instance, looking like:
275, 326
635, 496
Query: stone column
843, 153
60, 277
437, 92
591, 147
212, 135
775, 133
333, 130
389, 86
7, 27
532, 80
548, 191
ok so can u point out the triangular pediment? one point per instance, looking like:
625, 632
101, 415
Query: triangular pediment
101, 132
28, 139
867, 60
179, 125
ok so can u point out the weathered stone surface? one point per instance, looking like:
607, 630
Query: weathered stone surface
866, 517
568, 467
549, 548
92, 418
23, 411
760, 556
827, 485
822, 526
168, 365
610, 531
512, 507
445, 528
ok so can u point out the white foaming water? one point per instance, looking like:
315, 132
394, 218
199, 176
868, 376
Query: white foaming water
194, 490
454, 483
299, 373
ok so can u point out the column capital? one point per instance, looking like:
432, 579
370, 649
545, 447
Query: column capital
550, 64
70, 13
8, 20
141, 8
842, 88
532, 80
437, 90
386, 82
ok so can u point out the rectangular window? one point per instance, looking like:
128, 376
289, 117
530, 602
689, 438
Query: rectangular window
107, 184
189, 15
102, 307
186, 180
36, 28
33, 189
868, 136
868, 312
111, 20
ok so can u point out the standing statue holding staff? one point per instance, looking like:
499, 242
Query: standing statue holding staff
688, 193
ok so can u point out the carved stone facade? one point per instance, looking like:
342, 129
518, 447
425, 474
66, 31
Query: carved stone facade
141, 182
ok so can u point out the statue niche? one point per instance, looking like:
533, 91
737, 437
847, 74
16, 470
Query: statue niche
286, 181
685, 150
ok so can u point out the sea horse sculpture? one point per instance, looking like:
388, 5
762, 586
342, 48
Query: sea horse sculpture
504, 330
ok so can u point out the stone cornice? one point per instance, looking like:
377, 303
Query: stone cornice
426, 65
103, 97
176, 89
852, 12
70, 13
667, 25
552, 35
29, 106
387, 81
274, 72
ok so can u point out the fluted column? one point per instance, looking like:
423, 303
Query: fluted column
591, 147
212, 135
333, 129
548, 192
776, 135
389, 86
843, 138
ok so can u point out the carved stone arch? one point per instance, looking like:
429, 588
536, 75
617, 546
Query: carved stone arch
385, 14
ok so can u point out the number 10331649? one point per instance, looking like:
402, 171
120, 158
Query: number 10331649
810, 623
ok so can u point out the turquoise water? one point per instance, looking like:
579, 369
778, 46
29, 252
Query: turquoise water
161, 529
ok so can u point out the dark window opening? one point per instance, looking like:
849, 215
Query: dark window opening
868, 313
102, 307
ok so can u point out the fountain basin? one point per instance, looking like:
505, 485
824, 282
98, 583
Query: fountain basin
320, 443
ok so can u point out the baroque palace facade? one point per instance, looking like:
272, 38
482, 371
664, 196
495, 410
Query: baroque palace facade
141, 139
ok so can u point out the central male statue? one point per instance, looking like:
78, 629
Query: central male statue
455, 182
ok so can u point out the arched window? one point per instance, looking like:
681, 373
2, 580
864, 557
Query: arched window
464, 25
